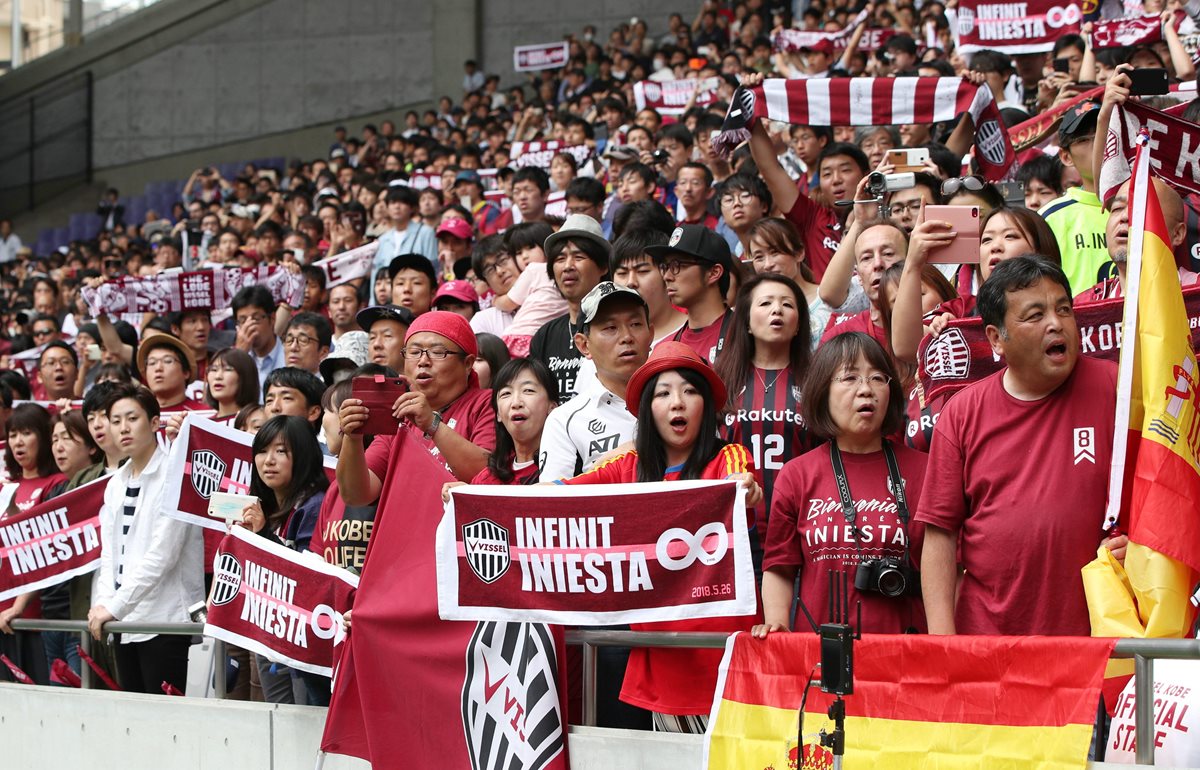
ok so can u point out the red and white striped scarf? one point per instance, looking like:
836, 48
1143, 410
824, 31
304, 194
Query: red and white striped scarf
872, 102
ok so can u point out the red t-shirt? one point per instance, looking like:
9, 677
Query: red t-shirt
1026, 483
959, 307
521, 475
1109, 288
342, 532
663, 680
188, 405
707, 341
809, 532
470, 416
821, 230
859, 322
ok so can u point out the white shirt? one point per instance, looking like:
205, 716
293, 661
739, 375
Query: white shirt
577, 433
9, 247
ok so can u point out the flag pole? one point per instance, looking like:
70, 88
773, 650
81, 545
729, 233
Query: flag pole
1133, 281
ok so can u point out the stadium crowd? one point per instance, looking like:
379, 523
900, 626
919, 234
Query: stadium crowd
640, 309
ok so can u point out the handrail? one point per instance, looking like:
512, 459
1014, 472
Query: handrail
1143, 651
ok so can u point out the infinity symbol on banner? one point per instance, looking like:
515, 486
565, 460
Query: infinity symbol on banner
695, 546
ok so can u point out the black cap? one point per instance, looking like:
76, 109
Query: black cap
418, 262
1078, 122
698, 242
368, 316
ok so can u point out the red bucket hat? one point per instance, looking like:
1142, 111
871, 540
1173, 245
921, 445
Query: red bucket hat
665, 357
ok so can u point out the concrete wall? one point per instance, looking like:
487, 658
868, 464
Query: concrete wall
283, 66
509, 23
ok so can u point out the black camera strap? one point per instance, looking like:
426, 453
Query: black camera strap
848, 510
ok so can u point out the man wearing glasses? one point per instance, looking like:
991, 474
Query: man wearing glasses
57, 370
444, 409
166, 366
254, 315
307, 342
45, 329
491, 261
696, 265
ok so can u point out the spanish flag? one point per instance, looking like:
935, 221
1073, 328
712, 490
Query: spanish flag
1154, 486
919, 702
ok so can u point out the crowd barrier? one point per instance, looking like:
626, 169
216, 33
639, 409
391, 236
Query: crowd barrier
1143, 652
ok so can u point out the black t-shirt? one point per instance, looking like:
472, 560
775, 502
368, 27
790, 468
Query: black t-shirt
554, 344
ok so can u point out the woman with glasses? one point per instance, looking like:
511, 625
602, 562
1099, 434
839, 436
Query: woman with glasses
676, 396
843, 511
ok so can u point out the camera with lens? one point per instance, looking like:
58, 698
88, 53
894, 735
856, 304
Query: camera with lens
660, 157
879, 183
889, 576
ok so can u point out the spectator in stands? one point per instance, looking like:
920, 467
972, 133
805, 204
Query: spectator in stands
694, 191
45, 329
110, 209
870, 247
254, 312
46, 297
386, 327
634, 269
493, 354
315, 296
307, 341
454, 238
95, 412
697, 267
194, 327
344, 304
294, 392
853, 400
167, 365
414, 283
1043, 180
744, 200
10, 243
578, 258
150, 565
457, 297
614, 335
530, 185
1047, 395
231, 383
675, 396
58, 370
485, 215
533, 298
445, 411
408, 234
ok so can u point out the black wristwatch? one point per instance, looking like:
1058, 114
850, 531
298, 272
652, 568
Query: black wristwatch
437, 422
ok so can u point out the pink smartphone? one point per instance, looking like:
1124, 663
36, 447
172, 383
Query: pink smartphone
964, 249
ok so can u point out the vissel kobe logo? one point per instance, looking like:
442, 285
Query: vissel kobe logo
948, 356
510, 707
227, 579
992, 141
207, 472
486, 546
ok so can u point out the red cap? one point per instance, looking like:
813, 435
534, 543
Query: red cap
824, 45
460, 290
459, 228
665, 357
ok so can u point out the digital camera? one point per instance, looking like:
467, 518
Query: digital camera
889, 576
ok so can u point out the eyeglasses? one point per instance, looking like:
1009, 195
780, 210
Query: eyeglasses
875, 380
969, 183
673, 266
256, 318
437, 353
303, 340
161, 361
39, 333
491, 269
56, 363
912, 207
744, 197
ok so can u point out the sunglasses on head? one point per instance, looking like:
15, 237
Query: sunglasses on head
968, 183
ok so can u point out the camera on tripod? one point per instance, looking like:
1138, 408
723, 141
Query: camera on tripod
887, 575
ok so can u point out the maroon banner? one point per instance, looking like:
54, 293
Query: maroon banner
201, 290
588, 555
208, 457
53, 541
490, 693
1122, 33
1013, 28
793, 40
281, 604
673, 96
546, 56
1174, 145
540, 153
961, 354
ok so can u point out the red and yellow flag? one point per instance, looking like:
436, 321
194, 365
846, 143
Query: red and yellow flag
1155, 480
919, 702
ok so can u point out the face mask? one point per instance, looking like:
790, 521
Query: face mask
659, 64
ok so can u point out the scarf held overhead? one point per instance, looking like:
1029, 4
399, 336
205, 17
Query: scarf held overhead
871, 102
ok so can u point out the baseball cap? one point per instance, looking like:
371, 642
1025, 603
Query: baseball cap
462, 291
349, 353
418, 262
579, 226
621, 152
458, 228
605, 290
824, 45
468, 175
1078, 122
370, 315
695, 241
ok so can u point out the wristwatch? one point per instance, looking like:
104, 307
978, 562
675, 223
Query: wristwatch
434, 425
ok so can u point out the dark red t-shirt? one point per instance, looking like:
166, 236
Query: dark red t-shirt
821, 230
809, 532
664, 680
707, 341
1025, 483
521, 475
859, 322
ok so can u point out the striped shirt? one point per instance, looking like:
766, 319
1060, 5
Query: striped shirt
128, 509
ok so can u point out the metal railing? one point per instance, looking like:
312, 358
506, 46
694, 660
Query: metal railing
1143, 652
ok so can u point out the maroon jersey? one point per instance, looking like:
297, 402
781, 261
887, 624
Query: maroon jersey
707, 342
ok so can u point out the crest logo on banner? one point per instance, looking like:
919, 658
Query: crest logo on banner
992, 141
487, 549
653, 91
227, 579
207, 472
510, 707
966, 21
948, 356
